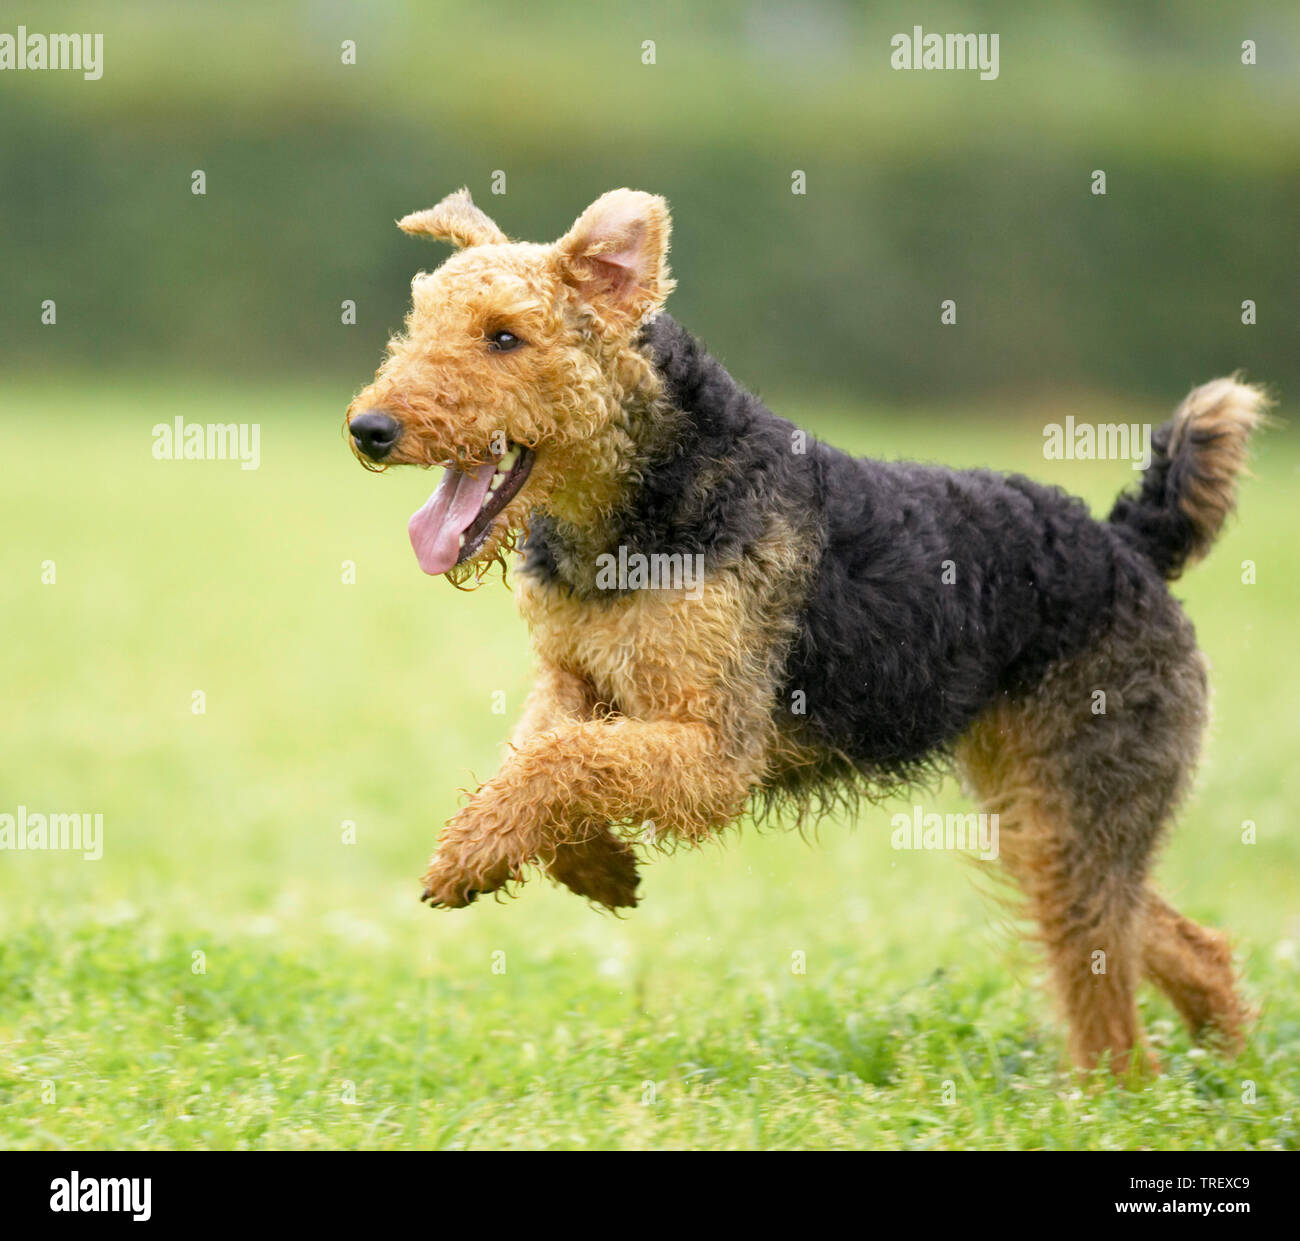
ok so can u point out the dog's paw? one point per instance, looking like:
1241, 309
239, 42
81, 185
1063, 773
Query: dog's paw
438, 896
602, 868
452, 884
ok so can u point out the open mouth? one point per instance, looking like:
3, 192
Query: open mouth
457, 519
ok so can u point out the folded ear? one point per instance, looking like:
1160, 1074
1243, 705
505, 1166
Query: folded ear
455, 219
616, 254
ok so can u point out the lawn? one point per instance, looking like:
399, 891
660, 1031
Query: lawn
248, 964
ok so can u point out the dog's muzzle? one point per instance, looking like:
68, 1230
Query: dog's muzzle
375, 433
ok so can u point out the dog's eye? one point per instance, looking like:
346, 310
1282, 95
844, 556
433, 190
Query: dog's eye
503, 342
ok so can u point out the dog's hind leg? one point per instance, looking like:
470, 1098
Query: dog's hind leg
1192, 965
1084, 772
1086, 911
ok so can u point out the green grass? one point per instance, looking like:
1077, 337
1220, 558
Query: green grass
332, 1010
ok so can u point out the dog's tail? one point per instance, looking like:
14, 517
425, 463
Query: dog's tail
1190, 485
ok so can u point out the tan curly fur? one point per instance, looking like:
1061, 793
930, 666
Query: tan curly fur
1215, 422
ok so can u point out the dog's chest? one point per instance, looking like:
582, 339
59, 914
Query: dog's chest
648, 654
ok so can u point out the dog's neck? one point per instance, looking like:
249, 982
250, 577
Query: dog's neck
577, 528
686, 440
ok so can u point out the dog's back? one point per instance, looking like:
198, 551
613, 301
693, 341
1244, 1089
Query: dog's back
935, 590
930, 590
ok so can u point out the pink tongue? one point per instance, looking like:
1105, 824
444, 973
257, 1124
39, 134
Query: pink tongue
436, 529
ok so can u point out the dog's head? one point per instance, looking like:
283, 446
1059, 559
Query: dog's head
512, 370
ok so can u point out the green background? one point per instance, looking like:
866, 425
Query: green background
328, 1008
921, 186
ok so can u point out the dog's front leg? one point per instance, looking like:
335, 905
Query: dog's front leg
555, 788
592, 861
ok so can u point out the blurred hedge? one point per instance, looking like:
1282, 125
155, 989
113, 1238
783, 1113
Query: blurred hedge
921, 186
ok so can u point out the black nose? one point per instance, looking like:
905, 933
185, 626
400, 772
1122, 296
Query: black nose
375, 434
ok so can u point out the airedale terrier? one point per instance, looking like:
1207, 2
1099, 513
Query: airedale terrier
826, 651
